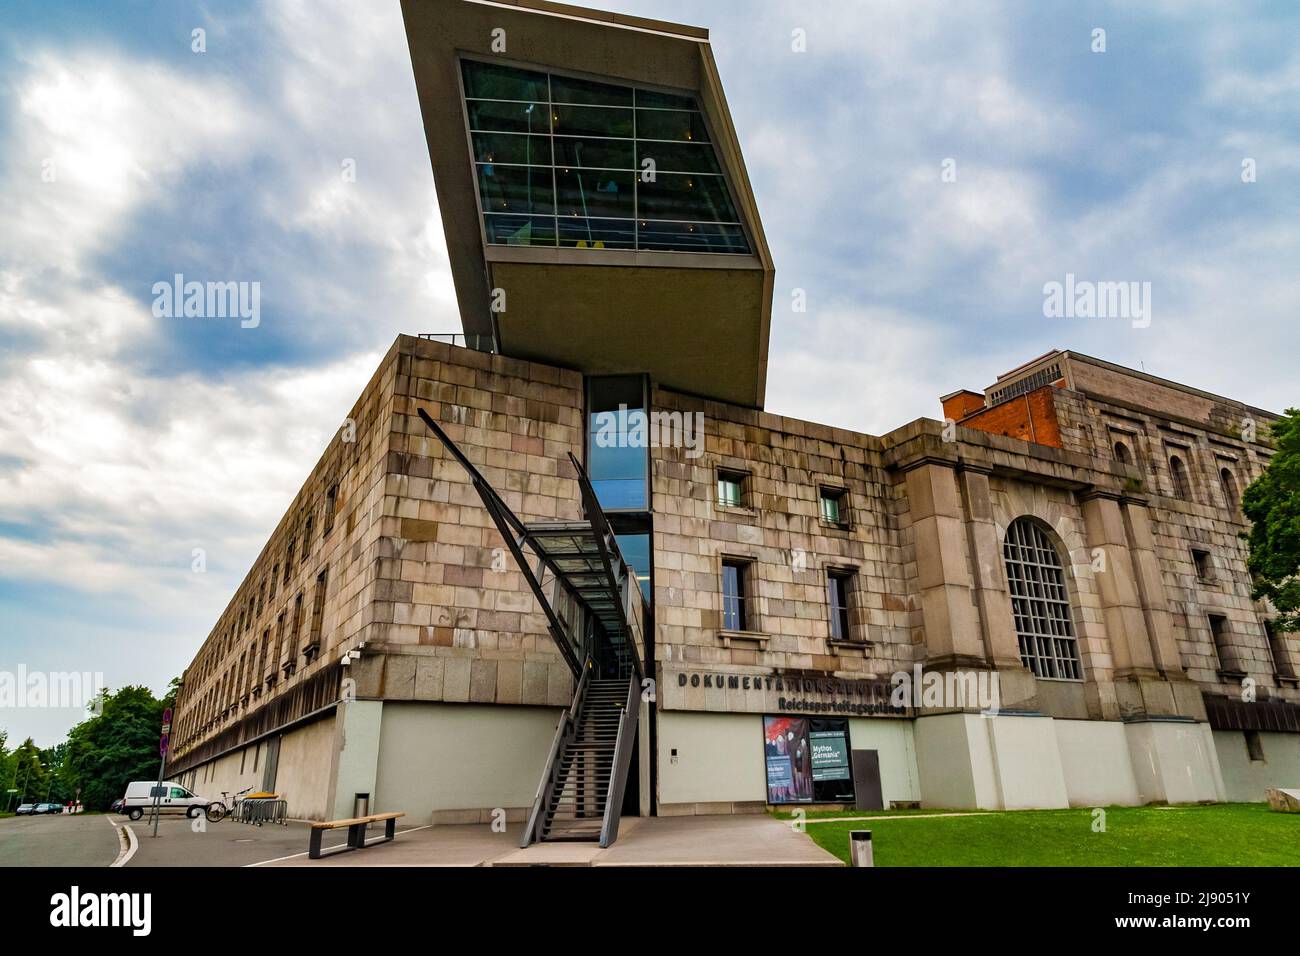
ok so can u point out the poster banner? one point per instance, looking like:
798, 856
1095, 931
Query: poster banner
808, 760
789, 760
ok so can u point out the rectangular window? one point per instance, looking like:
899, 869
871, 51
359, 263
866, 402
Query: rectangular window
735, 615
731, 489
834, 507
839, 585
1201, 559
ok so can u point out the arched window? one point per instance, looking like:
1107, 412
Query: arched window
1229, 482
1040, 603
1178, 472
1121, 453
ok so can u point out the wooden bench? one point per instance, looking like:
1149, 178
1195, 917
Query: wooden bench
356, 833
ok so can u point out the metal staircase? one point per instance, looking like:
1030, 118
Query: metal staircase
595, 612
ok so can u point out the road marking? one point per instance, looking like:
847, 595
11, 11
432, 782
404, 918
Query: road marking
294, 856
128, 851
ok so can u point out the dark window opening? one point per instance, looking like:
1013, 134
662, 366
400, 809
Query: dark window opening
1254, 746
1282, 664
1178, 475
1220, 634
1230, 495
1201, 559
331, 502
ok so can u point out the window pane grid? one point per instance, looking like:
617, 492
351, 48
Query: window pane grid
1040, 603
687, 208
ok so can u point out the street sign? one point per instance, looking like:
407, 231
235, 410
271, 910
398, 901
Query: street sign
162, 746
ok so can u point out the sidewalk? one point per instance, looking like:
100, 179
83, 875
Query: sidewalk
751, 840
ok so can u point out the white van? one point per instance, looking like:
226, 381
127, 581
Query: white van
171, 798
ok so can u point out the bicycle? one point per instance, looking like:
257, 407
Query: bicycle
216, 812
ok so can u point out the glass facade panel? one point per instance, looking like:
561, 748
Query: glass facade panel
509, 117
618, 457
681, 157
573, 149
591, 121
691, 237
686, 198
567, 89
520, 230
492, 81
579, 233
597, 194
675, 125
512, 149
653, 99
636, 552
595, 153
521, 190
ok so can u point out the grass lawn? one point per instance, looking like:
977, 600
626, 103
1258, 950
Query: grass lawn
1238, 834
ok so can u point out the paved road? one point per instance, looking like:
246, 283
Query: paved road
216, 844
58, 840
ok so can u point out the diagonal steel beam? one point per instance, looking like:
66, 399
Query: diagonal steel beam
508, 524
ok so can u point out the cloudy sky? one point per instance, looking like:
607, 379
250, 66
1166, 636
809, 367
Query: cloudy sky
127, 441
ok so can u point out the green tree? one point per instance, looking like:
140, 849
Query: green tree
30, 776
1272, 505
119, 744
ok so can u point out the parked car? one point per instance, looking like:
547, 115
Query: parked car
171, 798
116, 806
25, 810
49, 808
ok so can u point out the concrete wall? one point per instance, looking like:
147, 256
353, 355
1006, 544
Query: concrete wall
449, 763
1174, 762
359, 732
719, 762
1245, 780
304, 768
720, 767
894, 741
231, 773
1096, 763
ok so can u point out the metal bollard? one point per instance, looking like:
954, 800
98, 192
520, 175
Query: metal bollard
860, 853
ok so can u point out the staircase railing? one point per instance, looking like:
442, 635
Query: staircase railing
563, 733
627, 722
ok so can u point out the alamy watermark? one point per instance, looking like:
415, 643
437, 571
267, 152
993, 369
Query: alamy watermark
50, 689
1084, 299
208, 300
952, 689
635, 428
